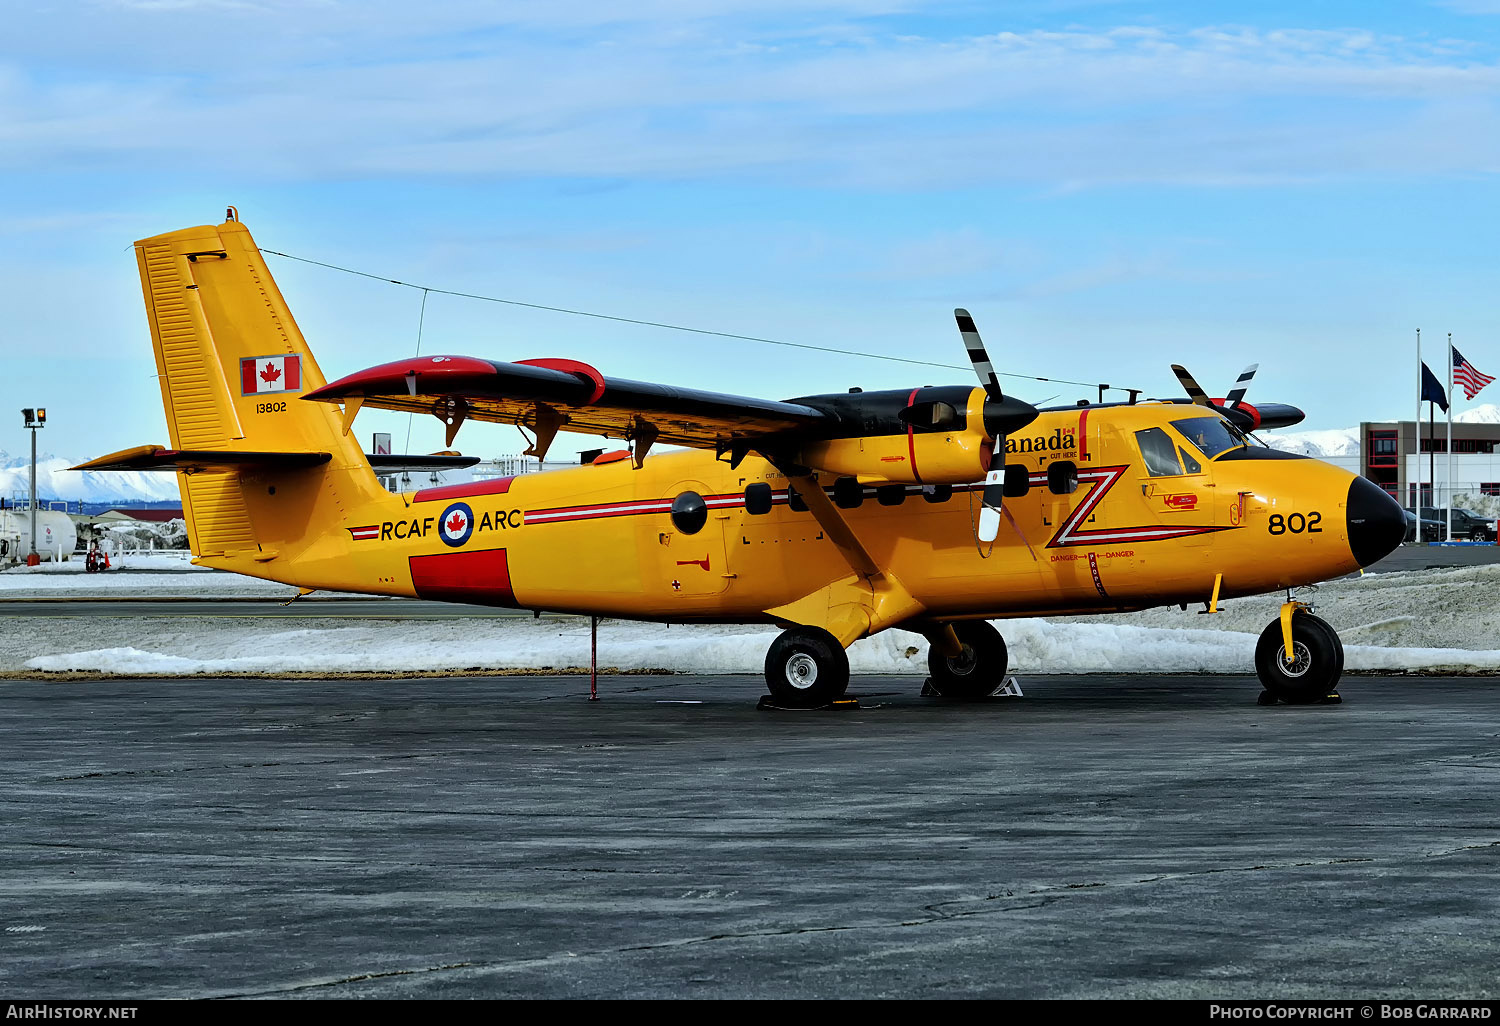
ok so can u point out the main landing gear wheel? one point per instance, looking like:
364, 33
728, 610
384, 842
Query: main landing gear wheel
1317, 660
978, 671
806, 668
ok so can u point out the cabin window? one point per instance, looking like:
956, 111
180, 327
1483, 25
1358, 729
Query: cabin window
1062, 477
1017, 481
689, 512
795, 502
848, 493
891, 495
1159, 451
1189, 464
937, 493
758, 499
1210, 434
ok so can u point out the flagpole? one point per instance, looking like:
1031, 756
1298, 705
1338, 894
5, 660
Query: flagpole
1449, 505
1416, 429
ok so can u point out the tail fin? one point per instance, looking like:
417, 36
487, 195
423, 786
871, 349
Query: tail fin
233, 366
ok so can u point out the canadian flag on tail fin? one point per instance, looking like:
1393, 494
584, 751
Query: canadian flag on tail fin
260, 374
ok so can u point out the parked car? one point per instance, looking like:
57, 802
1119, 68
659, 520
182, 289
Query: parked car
1432, 530
1467, 525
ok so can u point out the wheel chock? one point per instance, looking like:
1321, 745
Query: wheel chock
768, 704
1010, 689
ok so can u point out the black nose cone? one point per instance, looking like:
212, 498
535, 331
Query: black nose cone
1376, 522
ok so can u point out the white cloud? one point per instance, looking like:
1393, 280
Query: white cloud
694, 88
1472, 6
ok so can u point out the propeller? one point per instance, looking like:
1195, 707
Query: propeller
1232, 401
1001, 415
1233, 406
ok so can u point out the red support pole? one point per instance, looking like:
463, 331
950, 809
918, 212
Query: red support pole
593, 659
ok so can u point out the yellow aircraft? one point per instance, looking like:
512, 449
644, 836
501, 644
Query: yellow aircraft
835, 517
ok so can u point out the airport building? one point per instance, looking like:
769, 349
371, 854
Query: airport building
1402, 458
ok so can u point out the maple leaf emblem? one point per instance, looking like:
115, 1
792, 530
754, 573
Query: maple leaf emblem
270, 374
456, 523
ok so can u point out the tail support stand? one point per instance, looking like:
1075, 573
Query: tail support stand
1213, 601
593, 659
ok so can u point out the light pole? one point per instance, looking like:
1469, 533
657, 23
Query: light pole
35, 419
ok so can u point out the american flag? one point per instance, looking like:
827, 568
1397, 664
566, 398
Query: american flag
1465, 374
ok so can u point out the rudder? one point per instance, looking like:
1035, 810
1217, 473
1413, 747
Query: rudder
232, 365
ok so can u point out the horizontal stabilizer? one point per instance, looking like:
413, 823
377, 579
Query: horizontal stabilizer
436, 461
155, 457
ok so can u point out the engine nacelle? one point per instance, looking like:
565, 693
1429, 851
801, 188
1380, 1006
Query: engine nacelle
942, 440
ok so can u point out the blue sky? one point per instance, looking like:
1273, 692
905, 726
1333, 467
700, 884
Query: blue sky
1110, 187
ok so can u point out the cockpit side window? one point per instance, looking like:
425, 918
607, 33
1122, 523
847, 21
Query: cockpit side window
1159, 451
1189, 464
1210, 434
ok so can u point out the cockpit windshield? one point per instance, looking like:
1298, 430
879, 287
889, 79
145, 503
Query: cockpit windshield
1212, 435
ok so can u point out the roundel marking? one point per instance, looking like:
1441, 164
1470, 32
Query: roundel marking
456, 524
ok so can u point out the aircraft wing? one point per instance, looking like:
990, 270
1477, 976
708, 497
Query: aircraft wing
551, 395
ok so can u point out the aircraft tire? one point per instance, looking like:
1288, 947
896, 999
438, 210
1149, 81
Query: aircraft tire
979, 671
806, 667
1319, 660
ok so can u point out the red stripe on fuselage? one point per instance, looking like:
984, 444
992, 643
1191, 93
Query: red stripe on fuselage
624, 508
482, 577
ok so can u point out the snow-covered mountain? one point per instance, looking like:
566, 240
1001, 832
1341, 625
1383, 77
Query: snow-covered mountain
1319, 444
54, 481
1485, 413
1345, 441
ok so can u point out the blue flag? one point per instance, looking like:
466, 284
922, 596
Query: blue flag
1432, 389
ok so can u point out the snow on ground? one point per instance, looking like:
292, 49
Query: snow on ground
1452, 608
15, 577
133, 576
1435, 620
183, 648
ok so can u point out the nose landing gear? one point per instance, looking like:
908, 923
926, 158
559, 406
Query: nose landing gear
1309, 670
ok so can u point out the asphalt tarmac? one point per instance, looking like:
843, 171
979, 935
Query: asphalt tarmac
1100, 837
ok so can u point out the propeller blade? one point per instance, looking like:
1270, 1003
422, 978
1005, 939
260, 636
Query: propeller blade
1234, 397
977, 356
1192, 388
989, 523
1001, 415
